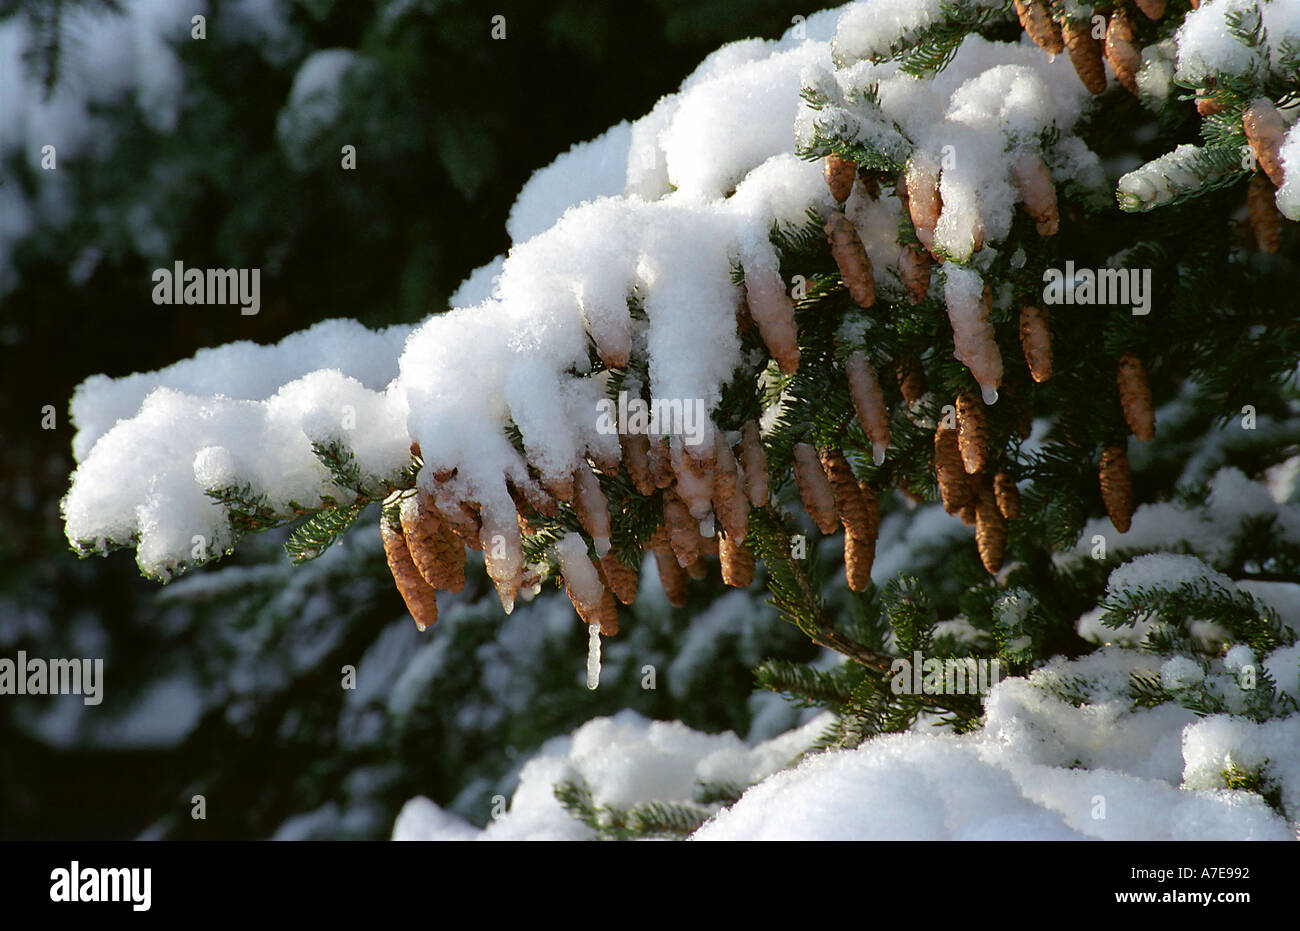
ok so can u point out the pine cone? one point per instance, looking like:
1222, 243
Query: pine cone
860, 546
914, 269
923, 200
1085, 54
1122, 50
529, 495
435, 551
1154, 9
620, 578
636, 459
559, 485
607, 455
753, 460
990, 530
974, 340
672, 577
1036, 341
1265, 218
1036, 18
604, 612
737, 562
661, 466
1207, 105
851, 257
1037, 192
683, 530
1135, 397
949, 470
694, 470
814, 488
849, 503
1116, 487
869, 403
840, 174
859, 555
1265, 130
1007, 495
420, 597
911, 380
972, 432
729, 501
772, 310
967, 513
591, 507
463, 521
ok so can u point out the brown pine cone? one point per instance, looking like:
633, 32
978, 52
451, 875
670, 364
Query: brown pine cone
849, 503
463, 521
868, 403
771, 309
604, 612
914, 268
435, 550
619, 577
683, 530
990, 529
529, 495
592, 508
972, 432
814, 488
420, 597
949, 470
636, 458
753, 461
1207, 105
840, 174
1265, 130
661, 465
1122, 50
860, 546
1116, 487
1085, 54
672, 577
1007, 495
911, 380
729, 501
1036, 341
737, 562
859, 555
1135, 397
1265, 218
851, 257
1036, 18
1037, 192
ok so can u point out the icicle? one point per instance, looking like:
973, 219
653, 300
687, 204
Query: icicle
593, 656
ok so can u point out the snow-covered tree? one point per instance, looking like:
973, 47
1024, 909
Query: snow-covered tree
913, 273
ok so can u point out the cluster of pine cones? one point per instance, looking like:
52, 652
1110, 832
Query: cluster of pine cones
1261, 121
707, 497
